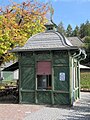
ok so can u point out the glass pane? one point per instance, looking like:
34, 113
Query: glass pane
44, 81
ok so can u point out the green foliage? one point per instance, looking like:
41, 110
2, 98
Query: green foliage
69, 31
75, 31
82, 32
85, 29
61, 28
17, 23
85, 80
87, 46
87, 42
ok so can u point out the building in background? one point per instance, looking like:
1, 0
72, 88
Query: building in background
9, 71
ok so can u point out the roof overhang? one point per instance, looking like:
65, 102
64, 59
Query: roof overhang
84, 67
12, 67
44, 49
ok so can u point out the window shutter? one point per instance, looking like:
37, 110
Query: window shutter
43, 68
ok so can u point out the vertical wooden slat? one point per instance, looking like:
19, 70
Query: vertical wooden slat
35, 58
78, 81
70, 83
52, 92
20, 98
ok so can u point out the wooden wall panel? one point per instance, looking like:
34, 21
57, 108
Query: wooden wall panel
27, 59
61, 99
60, 58
28, 97
28, 78
58, 84
44, 97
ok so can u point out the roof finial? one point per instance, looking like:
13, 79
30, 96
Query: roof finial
50, 25
51, 10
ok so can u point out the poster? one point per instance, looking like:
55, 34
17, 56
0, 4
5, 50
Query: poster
62, 76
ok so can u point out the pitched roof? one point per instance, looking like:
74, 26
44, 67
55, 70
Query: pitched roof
12, 67
83, 67
48, 40
7, 64
76, 41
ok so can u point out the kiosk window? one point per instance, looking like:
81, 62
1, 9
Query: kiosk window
44, 75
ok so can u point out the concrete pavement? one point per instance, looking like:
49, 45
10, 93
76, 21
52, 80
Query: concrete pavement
80, 111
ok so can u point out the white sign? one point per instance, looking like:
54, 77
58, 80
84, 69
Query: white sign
62, 76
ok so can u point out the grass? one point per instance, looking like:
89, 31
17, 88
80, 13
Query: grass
85, 80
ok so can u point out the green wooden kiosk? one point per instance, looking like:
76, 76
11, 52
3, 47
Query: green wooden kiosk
49, 69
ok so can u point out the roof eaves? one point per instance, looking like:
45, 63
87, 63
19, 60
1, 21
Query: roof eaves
45, 49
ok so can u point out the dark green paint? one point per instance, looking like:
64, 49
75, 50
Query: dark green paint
61, 99
28, 97
44, 97
62, 92
27, 78
61, 85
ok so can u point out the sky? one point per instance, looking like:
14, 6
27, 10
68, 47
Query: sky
74, 12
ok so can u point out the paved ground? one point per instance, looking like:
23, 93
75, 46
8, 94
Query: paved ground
16, 111
80, 111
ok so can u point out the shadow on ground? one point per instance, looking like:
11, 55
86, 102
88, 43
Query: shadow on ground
80, 111
7, 99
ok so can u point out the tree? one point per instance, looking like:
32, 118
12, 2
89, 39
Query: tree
69, 31
17, 23
61, 28
75, 31
87, 42
85, 29
82, 30
87, 46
